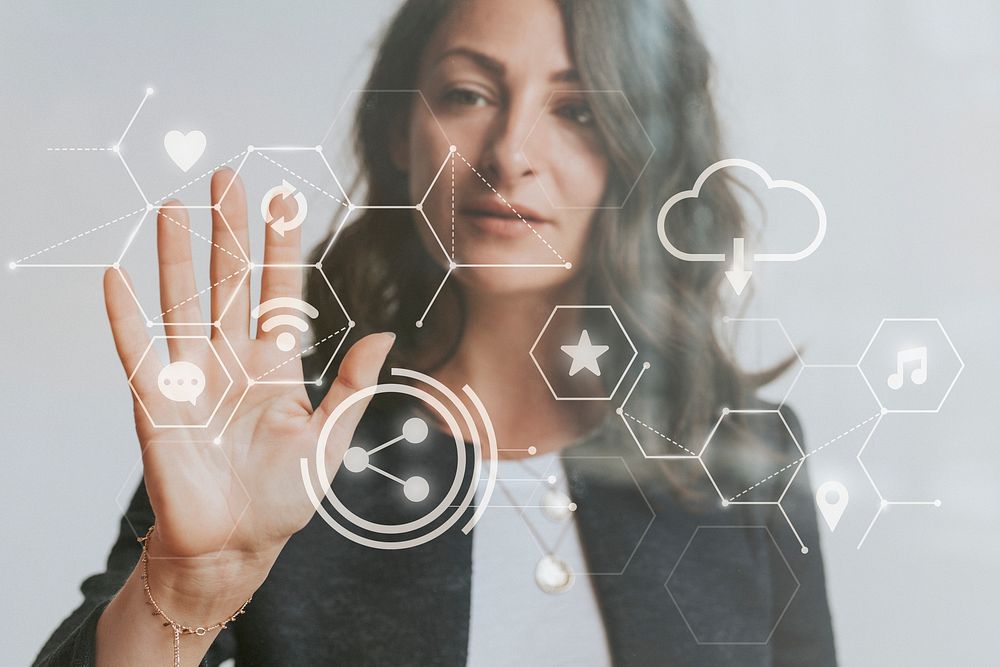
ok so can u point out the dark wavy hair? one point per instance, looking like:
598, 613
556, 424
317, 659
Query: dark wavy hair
651, 51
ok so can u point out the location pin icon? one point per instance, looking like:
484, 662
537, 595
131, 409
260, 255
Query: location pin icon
831, 498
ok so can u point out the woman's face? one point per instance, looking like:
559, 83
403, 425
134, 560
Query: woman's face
502, 89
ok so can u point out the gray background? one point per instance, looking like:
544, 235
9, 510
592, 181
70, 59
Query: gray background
889, 111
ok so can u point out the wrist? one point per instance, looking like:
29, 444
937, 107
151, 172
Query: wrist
198, 591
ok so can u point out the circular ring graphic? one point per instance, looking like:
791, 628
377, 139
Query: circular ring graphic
459, 476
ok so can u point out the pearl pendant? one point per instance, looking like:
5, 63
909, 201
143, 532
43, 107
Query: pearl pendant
555, 505
553, 575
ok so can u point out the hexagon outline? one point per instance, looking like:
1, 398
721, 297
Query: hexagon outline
620, 411
124, 508
222, 396
935, 320
244, 270
642, 129
732, 501
777, 621
635, 353
344, 332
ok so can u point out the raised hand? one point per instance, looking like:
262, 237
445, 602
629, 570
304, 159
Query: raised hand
192, 481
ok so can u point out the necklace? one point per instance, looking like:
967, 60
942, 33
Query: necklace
553, 575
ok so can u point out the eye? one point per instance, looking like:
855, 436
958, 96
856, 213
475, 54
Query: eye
464, 97
577, 112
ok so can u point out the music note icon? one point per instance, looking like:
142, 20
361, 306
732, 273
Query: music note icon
908, 356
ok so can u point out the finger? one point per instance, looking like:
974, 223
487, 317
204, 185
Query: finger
128, 327
281, 249
230, 294
359, 369
178, 290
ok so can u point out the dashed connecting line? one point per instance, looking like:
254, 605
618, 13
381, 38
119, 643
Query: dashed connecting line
650, 428
450, 257
198, 294
507, 204
301, 352
807, 455
303, 179
198, 178
73, 148
700, 456
81, 234
204, 238
453, 206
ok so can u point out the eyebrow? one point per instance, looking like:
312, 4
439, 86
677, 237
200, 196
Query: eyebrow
497, 68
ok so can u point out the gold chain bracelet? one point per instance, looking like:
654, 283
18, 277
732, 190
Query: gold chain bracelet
174, 625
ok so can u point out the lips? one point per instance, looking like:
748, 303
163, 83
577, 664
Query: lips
493, 217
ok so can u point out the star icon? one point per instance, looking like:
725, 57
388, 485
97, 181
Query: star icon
584, 355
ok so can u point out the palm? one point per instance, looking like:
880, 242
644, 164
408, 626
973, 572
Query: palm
243, 491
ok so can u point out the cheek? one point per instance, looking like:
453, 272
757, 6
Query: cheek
572, 165
428, 146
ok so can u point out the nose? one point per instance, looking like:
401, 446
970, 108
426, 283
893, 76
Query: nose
503, 161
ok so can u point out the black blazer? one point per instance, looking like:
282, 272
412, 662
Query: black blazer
329, 601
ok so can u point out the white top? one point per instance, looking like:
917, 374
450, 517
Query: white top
513, 622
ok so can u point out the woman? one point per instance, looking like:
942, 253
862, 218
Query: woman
502, 84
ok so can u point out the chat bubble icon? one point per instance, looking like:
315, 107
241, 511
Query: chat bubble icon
182, 382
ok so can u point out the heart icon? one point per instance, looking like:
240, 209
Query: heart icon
184, 149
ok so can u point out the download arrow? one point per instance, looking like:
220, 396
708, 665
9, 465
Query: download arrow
738, 277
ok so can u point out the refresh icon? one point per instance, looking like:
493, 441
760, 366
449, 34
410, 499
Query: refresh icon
284, 191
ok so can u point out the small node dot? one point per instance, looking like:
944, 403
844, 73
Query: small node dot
250, 148
725, 319
568, 265
725, 503
217, 324
13, 265
420, 323
217, 441
115, 148
551, 479
646, 365
884, 503
571, 507
319, 265
149, 323
356, 459
416, 489
351, 207
318, 382
319, 148
452, 265
149, 207
805, 550
149, 91
116, 266
619, 411
532, 450
415, 430
725, 411
937, 503
351, 324
216, 207
251, 382
419, 207
884, 411
453, 148
251, 265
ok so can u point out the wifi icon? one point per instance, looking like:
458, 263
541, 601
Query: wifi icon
285, 340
